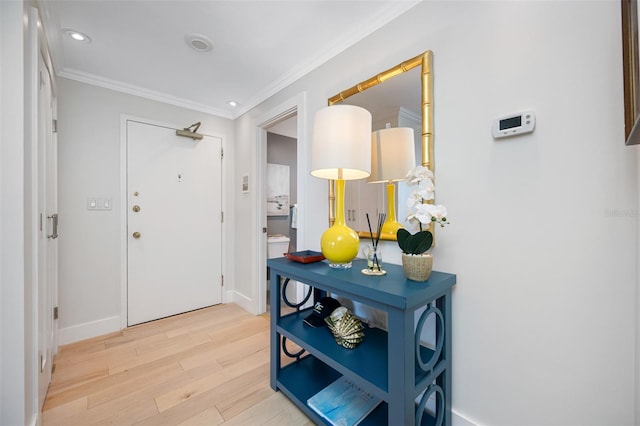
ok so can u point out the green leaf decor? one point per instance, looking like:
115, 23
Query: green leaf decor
417, 243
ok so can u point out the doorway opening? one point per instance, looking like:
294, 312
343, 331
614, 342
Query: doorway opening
280, 142
282, 193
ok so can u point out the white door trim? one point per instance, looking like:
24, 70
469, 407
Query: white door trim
124, 118
294, 105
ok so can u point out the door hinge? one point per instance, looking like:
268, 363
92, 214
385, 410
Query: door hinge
221, 217
221, 153
55, 312
222, 280
54, 126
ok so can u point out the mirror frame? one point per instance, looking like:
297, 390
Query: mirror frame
631, 70
424, 60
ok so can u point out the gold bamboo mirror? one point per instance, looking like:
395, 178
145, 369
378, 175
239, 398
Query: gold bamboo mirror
404, 100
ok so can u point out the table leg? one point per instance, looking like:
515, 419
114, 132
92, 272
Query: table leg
274, 305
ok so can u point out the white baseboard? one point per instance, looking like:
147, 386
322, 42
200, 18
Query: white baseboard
88, 330
227, 296
458, 419
241, 300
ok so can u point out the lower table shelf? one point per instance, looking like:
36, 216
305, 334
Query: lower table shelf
302, 379
368, 360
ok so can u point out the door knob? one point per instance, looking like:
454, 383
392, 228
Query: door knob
136, 208
136, 234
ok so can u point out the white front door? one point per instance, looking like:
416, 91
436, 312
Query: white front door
174, 230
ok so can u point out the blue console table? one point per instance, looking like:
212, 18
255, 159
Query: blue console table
392, 365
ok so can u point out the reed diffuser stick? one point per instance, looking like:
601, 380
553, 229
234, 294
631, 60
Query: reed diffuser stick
381, 218
375, 246
374, 243
370, 231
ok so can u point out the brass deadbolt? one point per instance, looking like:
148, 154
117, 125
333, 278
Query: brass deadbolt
136, 234
136, 208
135, 194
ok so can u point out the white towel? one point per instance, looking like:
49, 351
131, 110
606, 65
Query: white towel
294, 216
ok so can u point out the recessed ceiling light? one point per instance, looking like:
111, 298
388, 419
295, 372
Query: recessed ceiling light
233, 104
198, 42
77, 36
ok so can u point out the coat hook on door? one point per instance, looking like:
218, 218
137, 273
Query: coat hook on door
190, 132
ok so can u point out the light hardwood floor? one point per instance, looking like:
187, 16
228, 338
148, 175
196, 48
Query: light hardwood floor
207, 367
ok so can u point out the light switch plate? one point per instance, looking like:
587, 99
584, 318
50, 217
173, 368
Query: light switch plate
94, 203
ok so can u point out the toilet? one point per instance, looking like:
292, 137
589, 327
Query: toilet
277, 245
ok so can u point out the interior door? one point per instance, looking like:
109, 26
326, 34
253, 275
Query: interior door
174, 191
47, 246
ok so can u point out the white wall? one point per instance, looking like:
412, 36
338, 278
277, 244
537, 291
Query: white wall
637, 372
543, 321
89, 165
12, 306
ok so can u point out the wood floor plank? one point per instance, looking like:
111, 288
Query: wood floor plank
169, 348
226, 353
131, 404
246, 398
197, 403
61, 413
127, 382
223, 320
276, 410
80, 372
233, 352
239, 368
206, 367
209, 417
239, 329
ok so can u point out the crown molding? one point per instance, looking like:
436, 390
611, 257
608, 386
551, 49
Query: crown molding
383, 17
142, 92
404, 112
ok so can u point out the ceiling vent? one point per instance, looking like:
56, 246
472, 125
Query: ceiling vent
199, 43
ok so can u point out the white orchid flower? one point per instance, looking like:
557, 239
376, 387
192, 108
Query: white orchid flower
418, 174
415, 199
439, 212
423, 213
420, 178
426, 193
413, 224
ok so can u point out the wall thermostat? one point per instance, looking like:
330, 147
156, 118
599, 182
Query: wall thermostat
513, 124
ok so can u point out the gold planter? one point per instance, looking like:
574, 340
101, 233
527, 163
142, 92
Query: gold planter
417, 267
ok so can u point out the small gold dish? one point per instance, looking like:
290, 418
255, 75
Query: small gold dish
346, 327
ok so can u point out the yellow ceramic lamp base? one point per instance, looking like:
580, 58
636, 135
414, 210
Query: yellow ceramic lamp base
390, 228
391, 225
340, 244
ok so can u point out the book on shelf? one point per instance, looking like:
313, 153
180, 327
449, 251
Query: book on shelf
343, 403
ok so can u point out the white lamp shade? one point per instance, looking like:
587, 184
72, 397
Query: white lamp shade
392, 154
341, 143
